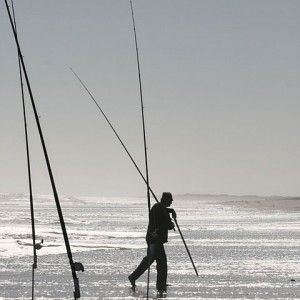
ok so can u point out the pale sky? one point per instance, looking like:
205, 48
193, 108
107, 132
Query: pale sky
221, 93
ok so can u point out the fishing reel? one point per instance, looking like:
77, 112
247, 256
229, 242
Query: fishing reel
38, 246
77, 266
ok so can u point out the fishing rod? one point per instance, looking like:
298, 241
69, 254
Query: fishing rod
142, 104
34, 265
130, 156
144, 129
75, 266
186, 247
114, 131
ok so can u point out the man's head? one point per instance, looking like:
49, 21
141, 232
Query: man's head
166, 199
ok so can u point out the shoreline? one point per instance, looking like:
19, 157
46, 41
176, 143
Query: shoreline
285, 204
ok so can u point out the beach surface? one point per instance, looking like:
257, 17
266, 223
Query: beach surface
243, 247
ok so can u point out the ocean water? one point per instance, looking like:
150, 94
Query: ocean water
240, 253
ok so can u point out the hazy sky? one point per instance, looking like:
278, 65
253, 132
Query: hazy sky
221, 93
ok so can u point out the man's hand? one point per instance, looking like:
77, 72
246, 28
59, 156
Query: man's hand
173, 226
173, 212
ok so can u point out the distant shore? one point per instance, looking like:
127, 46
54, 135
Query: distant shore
289, 204
252, 201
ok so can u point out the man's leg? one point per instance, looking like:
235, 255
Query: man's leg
162, 268
143, 266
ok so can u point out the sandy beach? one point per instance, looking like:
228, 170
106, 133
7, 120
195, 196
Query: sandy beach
243, 248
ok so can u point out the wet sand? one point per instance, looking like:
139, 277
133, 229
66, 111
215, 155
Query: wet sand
243, 248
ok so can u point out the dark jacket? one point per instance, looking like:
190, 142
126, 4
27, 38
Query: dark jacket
159, 224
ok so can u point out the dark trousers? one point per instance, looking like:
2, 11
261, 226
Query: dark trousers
154, 252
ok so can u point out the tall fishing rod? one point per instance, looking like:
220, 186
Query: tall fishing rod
34, 265
131, 158
144, 128
75, 266
142, 104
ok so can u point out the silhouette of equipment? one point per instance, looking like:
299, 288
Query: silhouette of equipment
39, 246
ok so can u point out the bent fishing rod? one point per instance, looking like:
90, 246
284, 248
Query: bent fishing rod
132, 160
75, 266
34, 265
144, 130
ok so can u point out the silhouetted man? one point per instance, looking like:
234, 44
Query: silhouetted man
157, 234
